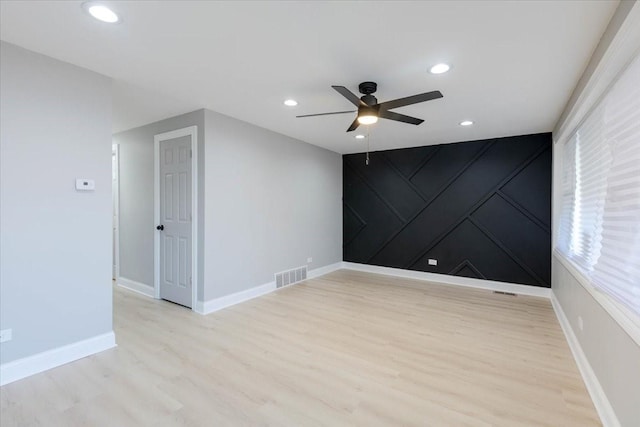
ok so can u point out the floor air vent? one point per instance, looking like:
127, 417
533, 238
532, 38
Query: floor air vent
504, 293
289, 277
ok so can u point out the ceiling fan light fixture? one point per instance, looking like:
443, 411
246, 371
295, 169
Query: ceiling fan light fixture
367, 119
360, 136
367, 115
439, 68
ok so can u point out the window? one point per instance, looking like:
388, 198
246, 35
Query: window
599, 229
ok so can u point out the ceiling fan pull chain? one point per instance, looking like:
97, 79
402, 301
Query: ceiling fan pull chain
366, 162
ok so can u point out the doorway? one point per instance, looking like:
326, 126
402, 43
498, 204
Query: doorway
176, 216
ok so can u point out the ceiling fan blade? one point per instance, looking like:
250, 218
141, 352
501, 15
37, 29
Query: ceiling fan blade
327, 114
401, 102
352, 97
399, 117
354, 125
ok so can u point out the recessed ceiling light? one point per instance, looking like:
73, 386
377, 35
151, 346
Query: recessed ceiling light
466, 123
101, 12
290, 102
360, 136
439, 69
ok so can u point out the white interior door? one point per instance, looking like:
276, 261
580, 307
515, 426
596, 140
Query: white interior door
175, 275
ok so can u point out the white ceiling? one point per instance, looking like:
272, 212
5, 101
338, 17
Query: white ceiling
514, 63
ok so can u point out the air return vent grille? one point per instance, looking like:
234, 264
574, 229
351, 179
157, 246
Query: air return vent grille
289, 277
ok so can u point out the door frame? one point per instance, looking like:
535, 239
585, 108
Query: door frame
193, 132
115, 152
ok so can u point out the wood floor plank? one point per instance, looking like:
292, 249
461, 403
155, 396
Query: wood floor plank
345, 349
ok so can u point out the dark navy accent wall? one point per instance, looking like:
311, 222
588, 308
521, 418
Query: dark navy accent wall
481, 208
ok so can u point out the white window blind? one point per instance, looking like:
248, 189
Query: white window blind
599, 227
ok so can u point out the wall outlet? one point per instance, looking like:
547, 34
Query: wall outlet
309, 260
580, 323
6, 335
433, 261
85, 184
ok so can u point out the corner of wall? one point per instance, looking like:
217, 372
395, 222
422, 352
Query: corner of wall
31, 365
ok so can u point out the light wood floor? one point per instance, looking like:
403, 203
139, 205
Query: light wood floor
347, 349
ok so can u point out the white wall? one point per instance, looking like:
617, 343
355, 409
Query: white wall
267, 202
613, 356
609, 351
270, 202
55, 243
137, 228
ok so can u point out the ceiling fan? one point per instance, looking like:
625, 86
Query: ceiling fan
369, 110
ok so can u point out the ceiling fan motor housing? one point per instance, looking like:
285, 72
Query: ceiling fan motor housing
367, 88
369, 100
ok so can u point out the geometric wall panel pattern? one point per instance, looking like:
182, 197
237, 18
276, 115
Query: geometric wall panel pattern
481, 208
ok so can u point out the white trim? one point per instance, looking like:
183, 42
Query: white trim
193, 132
445, 279
216, 304
598, 396
31, 365
156, 216
627, 320
321, 271
116, 209
138, 287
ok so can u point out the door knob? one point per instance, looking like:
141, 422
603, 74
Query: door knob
160, 227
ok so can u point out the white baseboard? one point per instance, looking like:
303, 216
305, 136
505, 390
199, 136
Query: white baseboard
600, 401
452, 280
216, 304
27, 366
134, 286
312, 274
